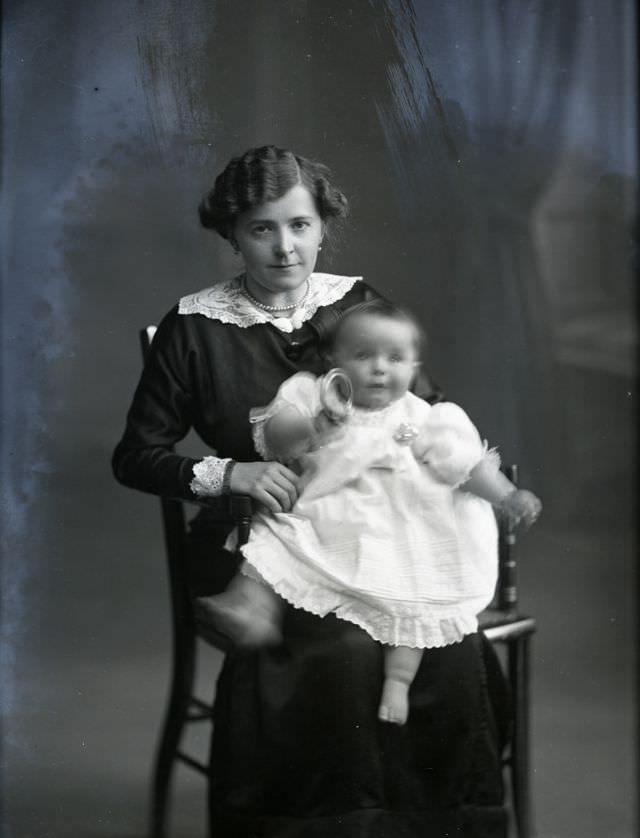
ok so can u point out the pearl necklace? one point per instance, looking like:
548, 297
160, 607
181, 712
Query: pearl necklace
271, 309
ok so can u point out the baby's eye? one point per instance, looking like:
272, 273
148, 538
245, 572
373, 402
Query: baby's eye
362, 355
396, 359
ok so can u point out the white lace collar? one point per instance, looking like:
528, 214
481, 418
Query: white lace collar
227, 303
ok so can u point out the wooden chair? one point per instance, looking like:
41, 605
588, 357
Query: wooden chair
183, 706
504, 625
501, 622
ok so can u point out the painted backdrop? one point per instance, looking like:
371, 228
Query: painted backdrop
488, 150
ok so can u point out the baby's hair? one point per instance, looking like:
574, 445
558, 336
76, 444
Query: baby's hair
266, 174
384, 310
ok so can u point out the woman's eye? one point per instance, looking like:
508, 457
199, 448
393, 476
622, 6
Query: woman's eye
298, 226
260, 229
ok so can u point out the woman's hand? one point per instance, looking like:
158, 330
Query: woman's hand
521, 505
271, 484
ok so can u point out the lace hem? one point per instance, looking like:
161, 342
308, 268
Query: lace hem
433, 629
227, 302
208, 476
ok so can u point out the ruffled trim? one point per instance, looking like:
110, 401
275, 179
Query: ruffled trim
227, 303
434, 629
208, 476
492, 456
258, 418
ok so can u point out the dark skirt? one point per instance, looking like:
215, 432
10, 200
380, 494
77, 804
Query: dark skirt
298, 752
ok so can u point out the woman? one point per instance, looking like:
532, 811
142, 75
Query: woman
297, 748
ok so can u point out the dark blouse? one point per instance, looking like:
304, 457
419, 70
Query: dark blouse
205, 374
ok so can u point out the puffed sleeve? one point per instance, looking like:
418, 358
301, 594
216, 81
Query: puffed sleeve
160, 415
451, 444
298, 394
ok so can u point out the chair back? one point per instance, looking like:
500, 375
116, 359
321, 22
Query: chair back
506, 598
175, 530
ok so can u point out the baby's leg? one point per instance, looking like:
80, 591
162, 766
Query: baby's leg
400, 666
247, 612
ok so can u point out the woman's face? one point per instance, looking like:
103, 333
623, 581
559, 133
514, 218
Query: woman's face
279, 243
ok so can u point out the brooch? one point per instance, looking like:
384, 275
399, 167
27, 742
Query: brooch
405, 433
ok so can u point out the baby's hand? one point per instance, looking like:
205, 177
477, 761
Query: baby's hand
288, 434
521, 505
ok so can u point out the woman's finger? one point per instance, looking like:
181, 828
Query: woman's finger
280, 483
267, 500
285, 472
280, 495
289, 485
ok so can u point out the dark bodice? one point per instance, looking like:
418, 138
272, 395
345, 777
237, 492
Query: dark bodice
206, 374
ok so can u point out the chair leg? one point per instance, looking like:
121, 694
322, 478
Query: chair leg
174, 721
519, 676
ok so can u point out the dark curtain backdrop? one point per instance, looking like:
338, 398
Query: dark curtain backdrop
489, 152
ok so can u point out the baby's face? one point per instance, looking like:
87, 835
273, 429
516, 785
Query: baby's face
379, 356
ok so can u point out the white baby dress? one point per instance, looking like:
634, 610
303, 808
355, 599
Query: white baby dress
377, 537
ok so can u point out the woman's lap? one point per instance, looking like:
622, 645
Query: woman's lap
298, 749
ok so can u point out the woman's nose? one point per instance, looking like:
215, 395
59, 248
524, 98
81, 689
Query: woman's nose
283, 244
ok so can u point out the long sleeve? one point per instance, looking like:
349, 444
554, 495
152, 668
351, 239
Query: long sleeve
161, 414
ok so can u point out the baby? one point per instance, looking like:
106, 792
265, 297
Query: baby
394, 528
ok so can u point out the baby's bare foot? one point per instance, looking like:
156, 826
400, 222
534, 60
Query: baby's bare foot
236, 621
394, 704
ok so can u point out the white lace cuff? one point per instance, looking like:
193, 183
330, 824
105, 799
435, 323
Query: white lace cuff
208, 476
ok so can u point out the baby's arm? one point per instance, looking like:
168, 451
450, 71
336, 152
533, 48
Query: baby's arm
451, 446
488, 482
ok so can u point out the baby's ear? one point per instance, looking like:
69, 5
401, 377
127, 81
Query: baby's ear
416, 370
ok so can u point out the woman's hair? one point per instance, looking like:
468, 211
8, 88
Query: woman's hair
266, 174
384, 310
